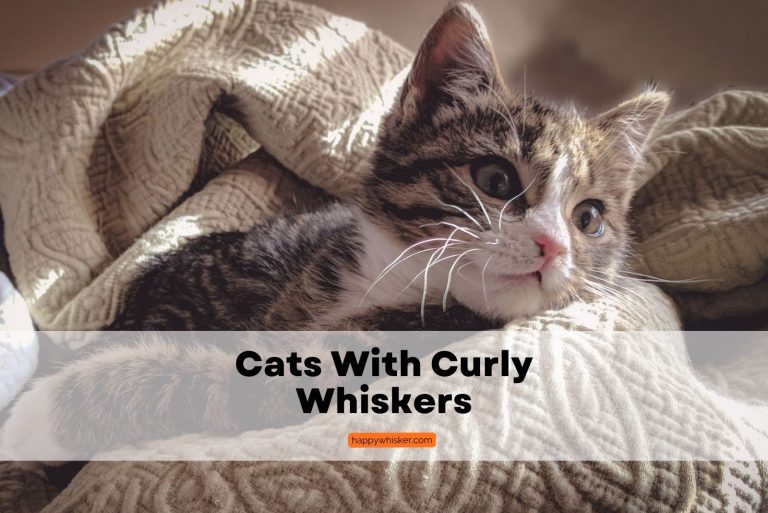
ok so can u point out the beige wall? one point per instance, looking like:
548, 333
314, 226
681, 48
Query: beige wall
593, 50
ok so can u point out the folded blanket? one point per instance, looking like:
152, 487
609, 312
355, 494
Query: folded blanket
702, 216
141, 143
110, 142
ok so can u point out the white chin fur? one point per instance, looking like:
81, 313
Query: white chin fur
516, 300
505, 304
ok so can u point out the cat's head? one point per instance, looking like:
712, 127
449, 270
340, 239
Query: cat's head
528, 200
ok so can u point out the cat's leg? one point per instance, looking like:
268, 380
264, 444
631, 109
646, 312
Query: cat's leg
122, 395
29, 433
155, 389
150, 390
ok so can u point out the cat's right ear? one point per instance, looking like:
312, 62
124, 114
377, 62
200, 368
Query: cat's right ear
454, 60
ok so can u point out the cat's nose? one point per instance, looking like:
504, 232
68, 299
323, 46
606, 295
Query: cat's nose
548, 248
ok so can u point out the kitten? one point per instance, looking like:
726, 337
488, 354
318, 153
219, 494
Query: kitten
494, 201
482, 205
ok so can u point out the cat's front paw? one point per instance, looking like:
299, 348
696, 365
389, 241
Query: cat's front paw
30, 432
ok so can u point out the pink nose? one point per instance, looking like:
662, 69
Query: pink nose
550, 249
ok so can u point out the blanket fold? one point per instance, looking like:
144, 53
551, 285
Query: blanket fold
111, 141
702, 216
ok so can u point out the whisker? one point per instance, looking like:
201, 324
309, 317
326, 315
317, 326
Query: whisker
661, 152
436, 239
449, 205
390, 269
601, 293
450, 275
525, 94
465, 230
656, 279
426, 276
477, 198
420, 273
501, 212
482, 279
565, 299
617, 287
508, 117
608, 292
397, 261
458, 271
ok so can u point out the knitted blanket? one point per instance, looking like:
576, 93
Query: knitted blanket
148, 139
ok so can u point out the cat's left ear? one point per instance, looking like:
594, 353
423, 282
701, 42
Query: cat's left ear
455, 59
626, 129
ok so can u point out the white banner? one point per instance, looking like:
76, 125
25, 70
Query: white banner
279, 396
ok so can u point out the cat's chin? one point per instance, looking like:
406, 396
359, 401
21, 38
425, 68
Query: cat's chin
522, 298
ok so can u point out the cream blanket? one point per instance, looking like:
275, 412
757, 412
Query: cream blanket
141, 142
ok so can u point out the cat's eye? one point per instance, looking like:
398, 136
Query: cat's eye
588, 217
496, 177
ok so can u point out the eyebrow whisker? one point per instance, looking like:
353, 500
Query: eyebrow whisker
477, 198
501, 212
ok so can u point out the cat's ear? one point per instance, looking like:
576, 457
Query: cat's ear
627, 127
455, 58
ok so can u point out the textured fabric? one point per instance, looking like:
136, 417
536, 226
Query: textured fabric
97, 150
703, 215
24, 491
414, 487
139, 143
697, 413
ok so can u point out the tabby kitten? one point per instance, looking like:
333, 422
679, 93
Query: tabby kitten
477, 196
481, 205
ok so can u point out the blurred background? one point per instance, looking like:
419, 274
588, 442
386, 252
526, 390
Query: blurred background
593, 51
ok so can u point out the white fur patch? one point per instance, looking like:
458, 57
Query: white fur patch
555, 184
28, 433
369, 288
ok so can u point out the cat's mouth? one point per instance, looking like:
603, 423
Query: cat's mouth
499, 293
502, 280
507, 279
